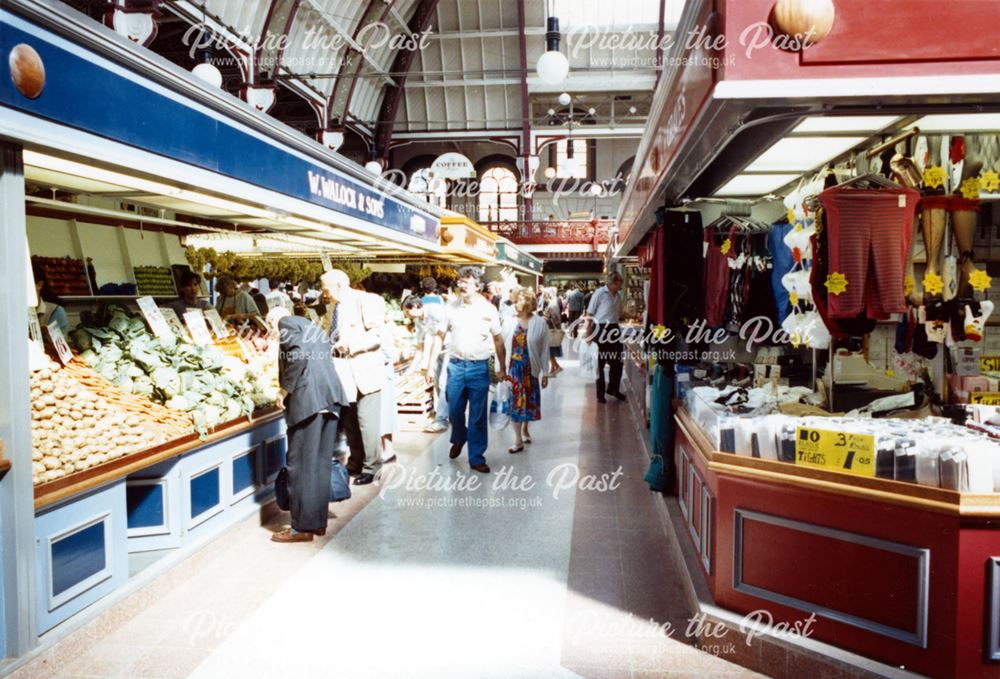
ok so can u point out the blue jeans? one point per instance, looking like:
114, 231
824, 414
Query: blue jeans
469, 385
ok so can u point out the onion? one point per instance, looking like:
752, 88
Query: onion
796, 18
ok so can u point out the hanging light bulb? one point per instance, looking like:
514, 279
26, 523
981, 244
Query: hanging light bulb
553, 66
550, 173
207, 71
565, 99
374, 167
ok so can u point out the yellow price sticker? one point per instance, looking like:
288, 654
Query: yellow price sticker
989, 364
835, 451
985, 398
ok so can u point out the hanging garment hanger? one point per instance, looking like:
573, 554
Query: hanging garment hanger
870, 179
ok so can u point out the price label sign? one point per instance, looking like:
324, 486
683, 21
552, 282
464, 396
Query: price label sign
325, 258
989, 364
835, 451
174, 321
153, 316
218, 325
198, 326
60, 343
985, 398
34, 326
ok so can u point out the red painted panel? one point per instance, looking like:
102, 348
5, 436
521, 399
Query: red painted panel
861, 32
977, 545
820, 569
911, 526
695, 519
890, 37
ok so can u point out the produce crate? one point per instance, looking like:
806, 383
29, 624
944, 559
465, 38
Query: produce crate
414, 402
157, 281
66, 276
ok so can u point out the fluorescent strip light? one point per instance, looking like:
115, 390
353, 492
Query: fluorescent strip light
223, 204
801, 154
969, 122
823, 124
88, 172
755, 184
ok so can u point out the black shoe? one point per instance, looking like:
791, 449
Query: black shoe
390, 460
456, 450
620, 396
481, 468
354, 472
364, 479
601, 399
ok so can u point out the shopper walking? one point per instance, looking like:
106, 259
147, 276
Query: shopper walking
606, 309
429, 287
526, 340
553, 318
428, 321
358, 320
575, 305
311, 396
475, 333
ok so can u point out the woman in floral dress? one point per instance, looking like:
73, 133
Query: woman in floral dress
527, 340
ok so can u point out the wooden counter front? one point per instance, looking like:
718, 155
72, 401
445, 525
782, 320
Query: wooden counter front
55, 491
891, 570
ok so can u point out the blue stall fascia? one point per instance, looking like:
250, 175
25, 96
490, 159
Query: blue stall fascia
91, 93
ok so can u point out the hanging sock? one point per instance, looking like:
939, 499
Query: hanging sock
975, 323
949, 275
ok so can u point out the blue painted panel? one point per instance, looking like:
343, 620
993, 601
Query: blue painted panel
276, 452
88, 92
145, 505
77, 556
205, 492
244, 471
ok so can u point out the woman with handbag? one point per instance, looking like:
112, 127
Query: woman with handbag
553, 317
527, 341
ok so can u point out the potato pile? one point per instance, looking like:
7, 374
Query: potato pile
74, 429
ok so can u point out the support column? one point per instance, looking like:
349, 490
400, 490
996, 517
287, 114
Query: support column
17, 498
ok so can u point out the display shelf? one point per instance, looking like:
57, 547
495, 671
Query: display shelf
899, 493
54, 491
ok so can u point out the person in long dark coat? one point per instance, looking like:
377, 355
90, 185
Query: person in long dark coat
311, 395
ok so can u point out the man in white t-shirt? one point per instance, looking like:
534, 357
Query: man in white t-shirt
474, 325
429, 321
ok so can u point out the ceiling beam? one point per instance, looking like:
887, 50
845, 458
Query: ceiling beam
525, 107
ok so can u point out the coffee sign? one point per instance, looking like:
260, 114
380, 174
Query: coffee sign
452, 166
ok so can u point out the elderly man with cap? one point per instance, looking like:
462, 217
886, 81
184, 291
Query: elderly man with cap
358, 321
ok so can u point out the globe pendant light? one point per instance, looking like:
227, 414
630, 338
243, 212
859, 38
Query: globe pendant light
553, 66
207, 71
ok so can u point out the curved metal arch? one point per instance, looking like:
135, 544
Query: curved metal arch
339, 104
280, 12
419, 22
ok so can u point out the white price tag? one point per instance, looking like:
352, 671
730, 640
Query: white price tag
34, 326
174, 321
198, 326
325, 258
59, 342
153, 316
218, 325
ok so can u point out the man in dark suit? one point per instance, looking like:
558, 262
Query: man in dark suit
311, 396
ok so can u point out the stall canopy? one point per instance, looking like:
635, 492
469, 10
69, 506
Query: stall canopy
466, 241
211, 161
510, 255
735, 115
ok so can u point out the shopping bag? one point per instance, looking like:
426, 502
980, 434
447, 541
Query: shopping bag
588, 360
282, 496
500, 405
340, 482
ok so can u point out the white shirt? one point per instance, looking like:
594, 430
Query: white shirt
605, 307
435, 320
472, 328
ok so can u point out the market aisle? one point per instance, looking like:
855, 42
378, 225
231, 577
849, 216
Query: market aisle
494, 581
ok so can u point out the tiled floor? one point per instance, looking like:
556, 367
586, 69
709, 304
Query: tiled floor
527, 575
